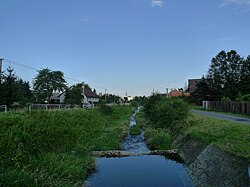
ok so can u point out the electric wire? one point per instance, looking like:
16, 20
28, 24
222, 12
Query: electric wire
33, 68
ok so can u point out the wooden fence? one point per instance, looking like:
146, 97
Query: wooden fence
238, 107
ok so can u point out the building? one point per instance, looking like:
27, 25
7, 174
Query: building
58, 97
192, 85
127, 97
174, 93
89, 97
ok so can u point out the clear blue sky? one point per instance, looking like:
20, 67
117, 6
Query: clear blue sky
122, 45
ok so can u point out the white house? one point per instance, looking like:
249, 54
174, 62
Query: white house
90, 97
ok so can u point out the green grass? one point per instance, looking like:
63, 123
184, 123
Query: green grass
52, 148
135, 130
230, 136
140, 119
158, 139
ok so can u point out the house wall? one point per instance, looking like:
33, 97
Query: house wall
94, 100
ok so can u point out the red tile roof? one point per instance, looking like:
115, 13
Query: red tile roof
174, 93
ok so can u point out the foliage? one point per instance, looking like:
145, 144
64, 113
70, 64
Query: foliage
135, 130
165, 112
244, 85
228, 74
246, 97
149, 106
140, 119
105, 109
14, 90
110, 98
239, 97
158, 139
225, 99
140, 100
134, 104
52, 148
202, 93
74, 94
46, 82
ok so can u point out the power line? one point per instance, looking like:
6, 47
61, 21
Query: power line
33, 68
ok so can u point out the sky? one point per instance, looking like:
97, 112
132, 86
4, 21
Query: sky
133, 46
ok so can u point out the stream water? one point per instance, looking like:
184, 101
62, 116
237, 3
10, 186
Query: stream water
138, 171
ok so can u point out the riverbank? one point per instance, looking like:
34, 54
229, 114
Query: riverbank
229, 136
53, 148
216, 152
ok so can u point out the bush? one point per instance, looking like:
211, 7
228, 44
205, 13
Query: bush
167, 112
135, 130
134, 104
246, 97
158, 139
225, 99
105, 109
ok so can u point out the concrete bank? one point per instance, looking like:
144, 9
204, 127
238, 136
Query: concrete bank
209, 165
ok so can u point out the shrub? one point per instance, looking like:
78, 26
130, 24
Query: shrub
246, 97
105, 109
135, 130
134, 104
225, 99
168, 112
158, 139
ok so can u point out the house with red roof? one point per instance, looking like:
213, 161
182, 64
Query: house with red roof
174, 93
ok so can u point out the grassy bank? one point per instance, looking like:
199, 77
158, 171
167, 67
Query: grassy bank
52, 148
156, 138
230, 136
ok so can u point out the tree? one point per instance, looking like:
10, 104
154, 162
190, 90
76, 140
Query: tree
202, 92
47, 82
10, 87
14, 90
74, 94
224, 74
244, 84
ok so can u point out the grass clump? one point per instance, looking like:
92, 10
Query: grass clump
158, 139
52, 148
140, 119
135, 130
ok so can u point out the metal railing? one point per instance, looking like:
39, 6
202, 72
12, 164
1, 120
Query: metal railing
48, 106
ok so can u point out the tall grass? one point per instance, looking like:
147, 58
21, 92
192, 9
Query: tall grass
52, 148
230, 136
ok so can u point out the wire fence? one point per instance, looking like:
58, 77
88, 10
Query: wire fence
50, 106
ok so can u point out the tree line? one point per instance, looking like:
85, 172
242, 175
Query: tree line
228, 78
14, 91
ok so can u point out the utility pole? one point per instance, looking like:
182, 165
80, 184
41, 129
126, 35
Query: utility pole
167, 91
1, 69
1, 65
105, 95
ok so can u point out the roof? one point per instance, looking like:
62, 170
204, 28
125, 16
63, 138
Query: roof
89, 94
174, 93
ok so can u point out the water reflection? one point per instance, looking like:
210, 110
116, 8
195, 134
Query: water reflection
139, 171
